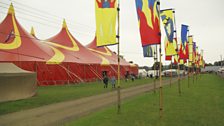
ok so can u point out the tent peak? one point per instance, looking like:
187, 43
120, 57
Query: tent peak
64, 24
11, 9
32, 32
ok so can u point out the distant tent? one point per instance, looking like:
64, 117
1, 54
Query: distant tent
105, 52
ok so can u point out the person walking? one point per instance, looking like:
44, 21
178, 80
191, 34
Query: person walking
113, 81
105, 81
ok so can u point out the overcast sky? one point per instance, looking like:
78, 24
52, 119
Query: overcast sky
205, 19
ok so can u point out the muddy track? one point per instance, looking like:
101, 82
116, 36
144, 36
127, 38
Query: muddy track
59, 113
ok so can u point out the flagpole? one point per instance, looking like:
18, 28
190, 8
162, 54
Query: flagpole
160, 77
188, 60
160, 83
118, 59
178, 64
155, 58
171, 73
188, 77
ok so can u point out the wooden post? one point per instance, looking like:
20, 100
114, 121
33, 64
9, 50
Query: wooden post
118, 59
155, 58
179, 88
178, 64
188, 75
160, 83
171, 73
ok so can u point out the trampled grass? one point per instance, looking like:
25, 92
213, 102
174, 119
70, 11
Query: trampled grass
54, 94
200, 105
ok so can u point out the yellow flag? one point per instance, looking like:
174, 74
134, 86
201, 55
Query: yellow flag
190, 38
170, 49
106, 15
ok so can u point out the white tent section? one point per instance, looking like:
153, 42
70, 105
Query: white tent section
16, 83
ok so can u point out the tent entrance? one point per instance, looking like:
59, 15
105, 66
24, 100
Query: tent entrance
104, 73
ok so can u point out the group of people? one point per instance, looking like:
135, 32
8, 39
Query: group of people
106, 81
113, 79
132, 76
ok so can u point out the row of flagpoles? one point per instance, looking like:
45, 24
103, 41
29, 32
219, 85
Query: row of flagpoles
182, 51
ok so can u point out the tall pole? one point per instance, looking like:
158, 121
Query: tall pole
193, 71
160, 82
188, 74
221, 60
171, 73
160, 77
178, 64
155, 58
178, 71
118, 59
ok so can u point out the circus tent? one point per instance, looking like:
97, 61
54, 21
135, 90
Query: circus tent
60, 59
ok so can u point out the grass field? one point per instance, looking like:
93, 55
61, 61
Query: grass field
200, 105
54, 94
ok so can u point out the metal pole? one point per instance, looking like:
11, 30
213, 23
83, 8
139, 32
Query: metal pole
118, 59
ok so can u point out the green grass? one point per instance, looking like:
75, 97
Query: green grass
200, 105
54, 94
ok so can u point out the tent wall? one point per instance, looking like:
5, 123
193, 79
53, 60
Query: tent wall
16, 83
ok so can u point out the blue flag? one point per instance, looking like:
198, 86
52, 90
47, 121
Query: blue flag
148, 51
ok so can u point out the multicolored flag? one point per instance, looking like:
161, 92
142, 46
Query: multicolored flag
184, 42
149, 21
194, 52
148, 51
201, 60
168, 58
170, 49
197, 58
176, 59
106, 15
168, 22
190, 38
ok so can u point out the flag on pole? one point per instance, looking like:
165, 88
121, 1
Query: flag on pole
197, 58
149, 21
170, 49
184, 42
106, 15
194, 52
148, 51
190, 38
168, 58
167, 17
201, 60
176, 57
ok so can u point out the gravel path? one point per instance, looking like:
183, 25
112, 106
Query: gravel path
59, 113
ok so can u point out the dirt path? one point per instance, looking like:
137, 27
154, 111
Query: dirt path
59, 113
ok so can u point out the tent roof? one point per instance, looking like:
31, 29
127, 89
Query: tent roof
107, 53
72, 49
18, 45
